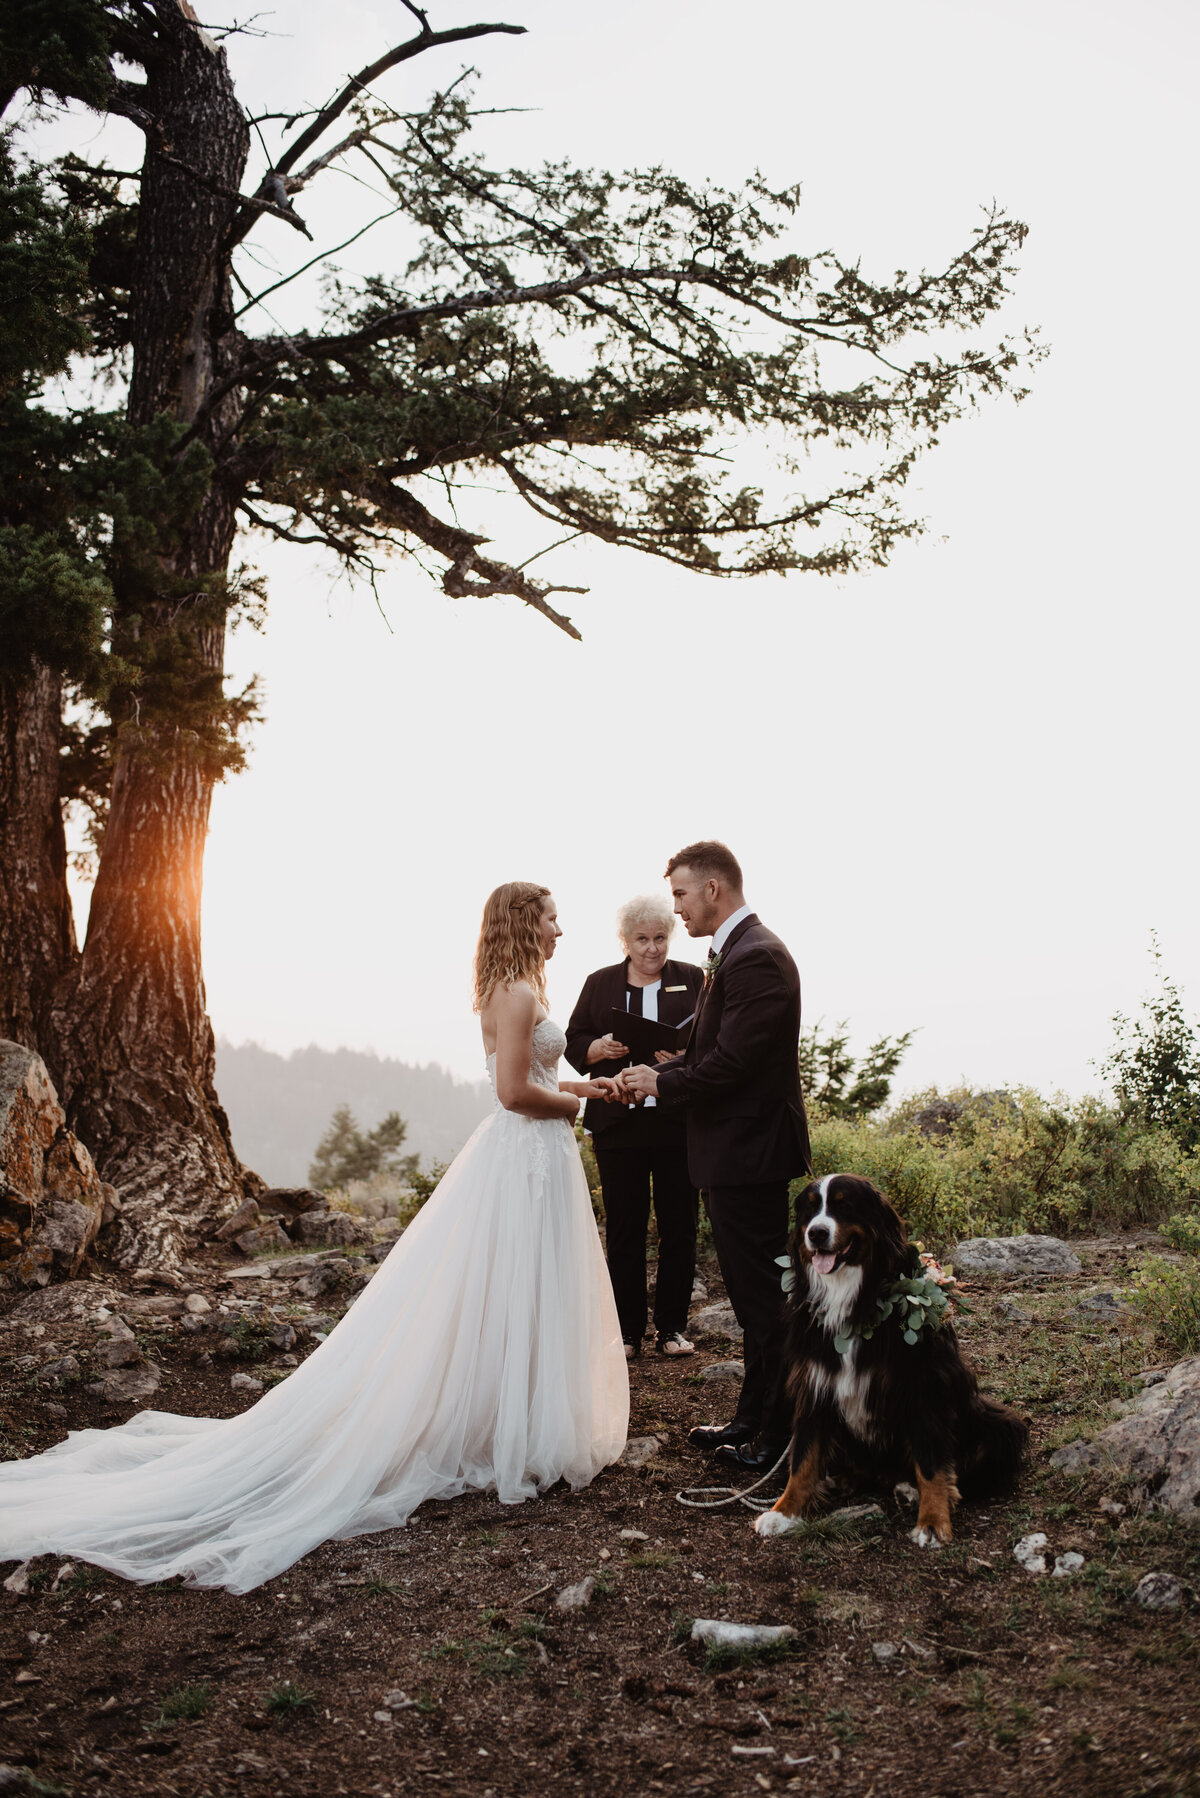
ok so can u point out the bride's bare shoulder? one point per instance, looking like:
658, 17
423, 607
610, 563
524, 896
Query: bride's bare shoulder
511, 1009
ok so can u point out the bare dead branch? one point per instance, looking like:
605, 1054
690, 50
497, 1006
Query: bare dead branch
470, 575
425, 40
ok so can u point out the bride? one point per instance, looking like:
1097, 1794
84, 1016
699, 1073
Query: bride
485, 1354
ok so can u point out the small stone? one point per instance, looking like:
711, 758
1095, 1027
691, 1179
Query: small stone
634, 1536
319, 1322
1106, 1304
246, 1217
289, 1360
606, 1554
884, 1651
197, 1304
717, 1320
638, 1450
116, 1328
1158, 1592
1013, 1313
574, 1598
283, 1336
53, 1409
245, 1382
399, 1701
18, 1581
126, 1385
26, 1678
1028, 1552
65, 1572
1066, 1565
699, 1292
123, 1352
66, 1368
382, 1716
734, 1371
1112, 1508
720, 1634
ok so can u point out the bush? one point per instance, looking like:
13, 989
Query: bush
1167, 1293
1011, 1162
1183, 1232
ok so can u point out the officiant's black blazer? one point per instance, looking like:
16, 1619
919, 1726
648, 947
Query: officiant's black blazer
602, 992
739, 1077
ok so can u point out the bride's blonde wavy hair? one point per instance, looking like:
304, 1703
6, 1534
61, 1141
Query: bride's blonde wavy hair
510, 946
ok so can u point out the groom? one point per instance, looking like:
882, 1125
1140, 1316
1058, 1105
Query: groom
747, 1135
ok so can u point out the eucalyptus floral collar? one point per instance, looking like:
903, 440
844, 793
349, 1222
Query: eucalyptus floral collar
923, 1298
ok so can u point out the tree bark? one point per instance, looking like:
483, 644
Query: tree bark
138, 1044
37, 930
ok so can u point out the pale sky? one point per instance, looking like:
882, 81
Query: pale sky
962, 789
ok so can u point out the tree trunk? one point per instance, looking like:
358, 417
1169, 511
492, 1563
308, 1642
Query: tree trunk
37, 930
140, 1048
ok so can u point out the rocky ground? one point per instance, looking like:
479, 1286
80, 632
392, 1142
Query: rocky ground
440, 1656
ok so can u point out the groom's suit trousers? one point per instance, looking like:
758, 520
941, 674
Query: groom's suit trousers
750, 1227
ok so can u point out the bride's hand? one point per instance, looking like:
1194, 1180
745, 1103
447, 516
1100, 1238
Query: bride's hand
604, 1087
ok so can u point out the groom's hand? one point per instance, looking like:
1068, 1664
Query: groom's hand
641, 1082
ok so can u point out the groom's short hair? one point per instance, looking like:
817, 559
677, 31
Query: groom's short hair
711, 860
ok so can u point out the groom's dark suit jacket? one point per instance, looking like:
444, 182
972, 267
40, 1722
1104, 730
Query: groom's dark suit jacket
739, 1077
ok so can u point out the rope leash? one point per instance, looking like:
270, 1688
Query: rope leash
705, 1498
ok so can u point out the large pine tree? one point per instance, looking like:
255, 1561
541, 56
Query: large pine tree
605, 343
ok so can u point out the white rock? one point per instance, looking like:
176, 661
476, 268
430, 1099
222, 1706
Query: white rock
720, 1634
1157, 1442
640, 1449
724, 1370
18, 1580
1066, 1565
197, 1304
1028, 1552
574, 1598
634, 1536
382, 1716
245, 1382
717, 1320
884, 1651
1154, 1592
1014, 1255
399, 1701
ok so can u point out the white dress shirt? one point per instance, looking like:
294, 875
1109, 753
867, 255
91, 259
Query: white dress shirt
649, 1010
723, 931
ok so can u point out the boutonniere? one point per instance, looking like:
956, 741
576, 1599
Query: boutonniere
711, 965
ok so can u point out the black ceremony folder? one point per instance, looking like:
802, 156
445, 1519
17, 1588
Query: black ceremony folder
644, 1036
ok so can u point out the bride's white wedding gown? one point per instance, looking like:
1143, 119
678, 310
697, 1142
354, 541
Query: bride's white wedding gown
485, 1354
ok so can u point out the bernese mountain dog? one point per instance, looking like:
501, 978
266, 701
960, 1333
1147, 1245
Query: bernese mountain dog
873, 1399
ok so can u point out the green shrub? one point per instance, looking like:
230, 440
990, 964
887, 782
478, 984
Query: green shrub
1183, 1232
1011, 1162
1167, 1293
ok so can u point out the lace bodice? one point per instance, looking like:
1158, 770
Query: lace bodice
545, 1054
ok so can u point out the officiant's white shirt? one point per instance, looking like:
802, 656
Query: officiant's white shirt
723, 931
649, 1010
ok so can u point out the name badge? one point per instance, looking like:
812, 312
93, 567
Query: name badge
674, 989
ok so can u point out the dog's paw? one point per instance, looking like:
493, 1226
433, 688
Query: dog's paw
925, 1536
774, 1523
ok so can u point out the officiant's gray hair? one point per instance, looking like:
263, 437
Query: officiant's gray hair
647, 908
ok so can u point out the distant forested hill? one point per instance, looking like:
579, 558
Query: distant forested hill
279, 1105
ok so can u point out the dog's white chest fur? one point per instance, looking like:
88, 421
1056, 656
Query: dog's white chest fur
832, 1297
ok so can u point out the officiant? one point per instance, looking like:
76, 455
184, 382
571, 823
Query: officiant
641, 1151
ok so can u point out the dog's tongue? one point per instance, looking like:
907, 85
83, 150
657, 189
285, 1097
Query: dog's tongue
824, 1263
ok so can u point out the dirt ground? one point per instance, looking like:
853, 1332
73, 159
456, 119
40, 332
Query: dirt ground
911, 1672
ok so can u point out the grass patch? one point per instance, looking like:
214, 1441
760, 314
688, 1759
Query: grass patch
382, 1588
653, 1561
183, 1703
287, 1700
723, 1657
